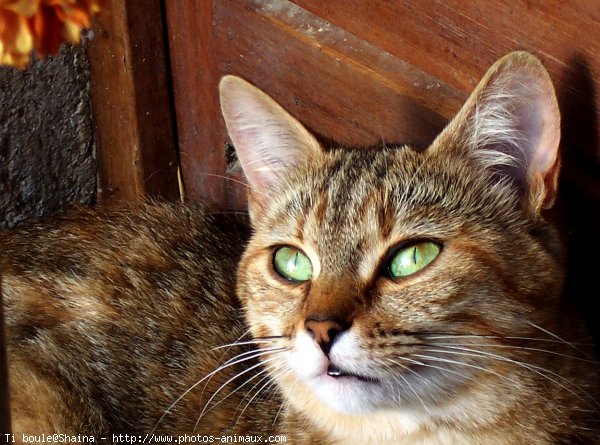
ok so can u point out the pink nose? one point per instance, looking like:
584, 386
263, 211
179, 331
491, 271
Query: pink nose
324, 332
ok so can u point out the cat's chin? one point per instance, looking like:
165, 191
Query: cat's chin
348, 408
338, 381
348, 394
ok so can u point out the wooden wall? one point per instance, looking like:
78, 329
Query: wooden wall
131, 102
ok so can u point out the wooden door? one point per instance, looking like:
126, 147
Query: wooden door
363, 72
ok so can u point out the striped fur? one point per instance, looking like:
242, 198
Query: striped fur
127, 321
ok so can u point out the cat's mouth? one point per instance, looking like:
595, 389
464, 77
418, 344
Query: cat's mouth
335, 372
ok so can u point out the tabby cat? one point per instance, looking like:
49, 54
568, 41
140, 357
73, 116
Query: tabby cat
391, 296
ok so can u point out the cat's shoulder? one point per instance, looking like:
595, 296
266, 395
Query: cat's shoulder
146, 230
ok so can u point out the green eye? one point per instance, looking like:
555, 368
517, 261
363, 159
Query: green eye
292, 264
413, 258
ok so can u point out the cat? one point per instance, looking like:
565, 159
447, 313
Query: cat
392, 295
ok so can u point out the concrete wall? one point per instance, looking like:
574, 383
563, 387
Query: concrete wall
47, 157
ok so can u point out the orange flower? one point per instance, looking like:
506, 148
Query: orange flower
57, 21
42, 25
16, 41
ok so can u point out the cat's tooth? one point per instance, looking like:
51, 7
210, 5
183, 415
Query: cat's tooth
332, 371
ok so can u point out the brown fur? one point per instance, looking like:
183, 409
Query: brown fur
114, 316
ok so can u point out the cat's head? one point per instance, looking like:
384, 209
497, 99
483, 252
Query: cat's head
381, 273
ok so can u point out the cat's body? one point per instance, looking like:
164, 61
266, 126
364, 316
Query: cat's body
393, 296
101, 306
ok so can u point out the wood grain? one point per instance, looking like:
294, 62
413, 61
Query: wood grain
131, 103
339, 85
195, 79
457, 41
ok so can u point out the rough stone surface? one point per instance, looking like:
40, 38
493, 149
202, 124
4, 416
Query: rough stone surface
47, 159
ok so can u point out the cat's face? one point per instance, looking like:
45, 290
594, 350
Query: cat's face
375, 276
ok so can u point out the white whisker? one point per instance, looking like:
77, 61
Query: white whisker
536, 369
262, 351
524, 348
405, 380
497, 337
195, 385
239, 374
266, 385
572, 345
454, 362
241, 343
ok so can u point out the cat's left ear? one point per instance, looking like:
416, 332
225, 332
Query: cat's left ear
267, 139
510, 125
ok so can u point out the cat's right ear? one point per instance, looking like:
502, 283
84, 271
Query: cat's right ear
510, 126
267, 139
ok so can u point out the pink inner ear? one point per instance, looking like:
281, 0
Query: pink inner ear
545, 156
514, 129
267, 139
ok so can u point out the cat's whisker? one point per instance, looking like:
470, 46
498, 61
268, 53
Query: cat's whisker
552, 334
283, 403
246, 382
460, 374
229, 346
455, 362
195, 385
429, 365
405, 380
536, 369
418, 363
252, 354
439, 368
227, 178
429, 335
263, 373
239, 374
261, 351
450, 335
244, 334
477, 353
395, 380
393, 372
515, 347
239, 387
265, 386
256, 340
265, 395
242, 343
464, 364
262, 379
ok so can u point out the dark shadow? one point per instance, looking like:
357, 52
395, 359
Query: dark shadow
580, 189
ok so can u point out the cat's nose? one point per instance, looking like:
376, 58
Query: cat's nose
324, 332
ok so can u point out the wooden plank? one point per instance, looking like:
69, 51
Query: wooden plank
340, 86
131, 103
201, 145
457, 41
4, 408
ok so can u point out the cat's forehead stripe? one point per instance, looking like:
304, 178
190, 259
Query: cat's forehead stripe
359, 203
